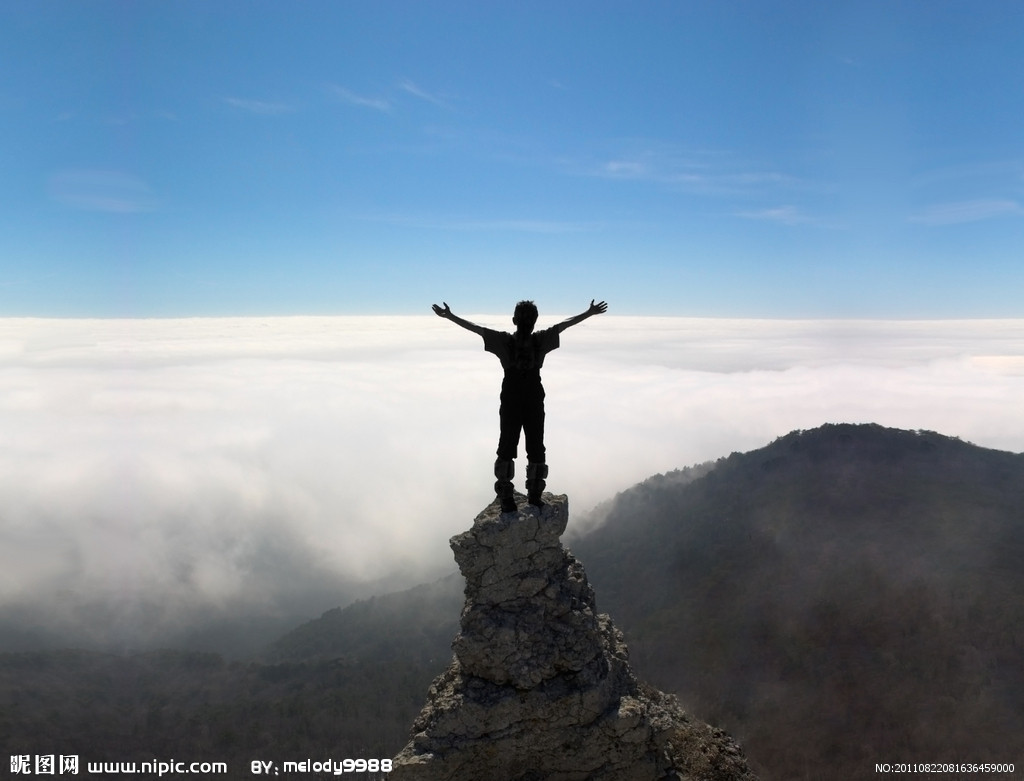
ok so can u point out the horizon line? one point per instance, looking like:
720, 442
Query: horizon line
615, 315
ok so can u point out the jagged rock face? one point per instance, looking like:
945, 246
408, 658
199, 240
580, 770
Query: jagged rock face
541, 688
529, 613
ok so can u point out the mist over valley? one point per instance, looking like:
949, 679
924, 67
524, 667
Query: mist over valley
841, 593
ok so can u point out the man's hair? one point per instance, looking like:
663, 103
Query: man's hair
525, 315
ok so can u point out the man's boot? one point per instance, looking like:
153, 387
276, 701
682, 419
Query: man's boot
505, 471
535, 474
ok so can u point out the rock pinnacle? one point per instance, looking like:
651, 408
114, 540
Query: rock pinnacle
540, 687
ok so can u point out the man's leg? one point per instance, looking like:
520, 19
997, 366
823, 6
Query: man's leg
504, 471
510, 418
533, 428
535, 474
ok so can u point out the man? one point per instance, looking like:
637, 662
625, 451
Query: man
522, 395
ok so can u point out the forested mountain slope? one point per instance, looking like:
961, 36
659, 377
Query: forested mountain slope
415, 625
841, 597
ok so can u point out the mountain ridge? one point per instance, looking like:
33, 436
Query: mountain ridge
840, 592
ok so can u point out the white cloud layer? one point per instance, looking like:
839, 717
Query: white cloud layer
218, 462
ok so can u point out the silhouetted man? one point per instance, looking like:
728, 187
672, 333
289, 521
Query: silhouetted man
522, 395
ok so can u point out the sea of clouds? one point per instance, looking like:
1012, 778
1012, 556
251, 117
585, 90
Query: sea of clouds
153, 472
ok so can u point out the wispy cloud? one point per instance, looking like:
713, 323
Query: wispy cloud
347, 96
627, 169
657, 165
967, 211
1002, 173
94, 190
259, 106
709, 173
784, 215
416, 91
471, 224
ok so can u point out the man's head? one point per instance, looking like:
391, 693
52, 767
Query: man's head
525, 316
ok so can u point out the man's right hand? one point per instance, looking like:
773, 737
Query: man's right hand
445, 313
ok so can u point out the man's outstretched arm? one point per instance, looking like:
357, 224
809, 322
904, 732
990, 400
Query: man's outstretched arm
447, 314
593, 309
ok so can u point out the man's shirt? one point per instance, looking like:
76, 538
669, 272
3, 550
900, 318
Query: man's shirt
521, 358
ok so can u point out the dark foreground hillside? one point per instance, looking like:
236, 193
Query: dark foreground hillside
843, 597
195, 707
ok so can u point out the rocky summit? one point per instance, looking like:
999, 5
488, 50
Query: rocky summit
540, 688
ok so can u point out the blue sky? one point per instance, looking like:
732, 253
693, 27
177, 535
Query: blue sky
754, 159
